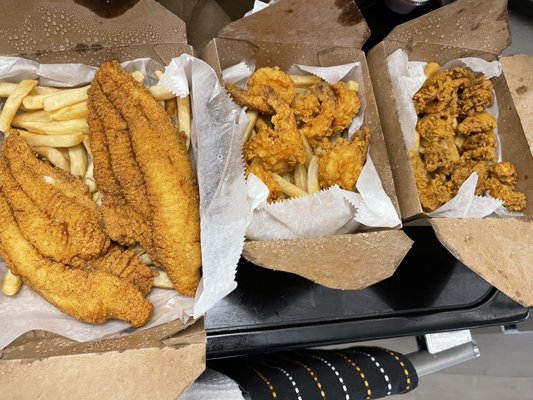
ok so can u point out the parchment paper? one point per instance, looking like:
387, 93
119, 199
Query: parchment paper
28, 311
407, 78
333, 210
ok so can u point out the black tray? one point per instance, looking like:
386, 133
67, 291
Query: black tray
431, 291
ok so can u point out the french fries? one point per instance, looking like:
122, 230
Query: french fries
64, 98
138, 76
312, 176
53, 155
300, 176
184, 117
159, 93
6, 88
75, 111
288, 188
252, 119
54, 127
78, 160
302, 81
36, 139
13, 103
11, 284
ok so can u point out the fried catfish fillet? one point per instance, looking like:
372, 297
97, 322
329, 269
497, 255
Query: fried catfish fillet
90, 296
161, 154
51, 207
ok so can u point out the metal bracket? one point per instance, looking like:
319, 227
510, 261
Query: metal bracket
438, 351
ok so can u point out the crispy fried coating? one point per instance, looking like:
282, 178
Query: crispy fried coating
347, 105
280, 148
305, 107
319, 126
480, 146
464, 169
475, 96
477, 123
273, 78
125, 207
171, 187
90, 296
501, 184
43, 195
440, 155
126, 265
254, 95
440, 91
432, 191
341, 164
243, 98
433, 127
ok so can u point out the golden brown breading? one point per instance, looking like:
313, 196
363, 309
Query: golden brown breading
440, 91
39, 193
319, 126
90, 296
477, 123
475, 96
464, 169
347, 105
280, 148
480, 146
170, 182
305, 107
126, 265
279, 81
436, 126
341, 164
243, 98
501, 185
432, 191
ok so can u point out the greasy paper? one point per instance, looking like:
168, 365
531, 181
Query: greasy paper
305, 216
407, 78
28, 311
223, 202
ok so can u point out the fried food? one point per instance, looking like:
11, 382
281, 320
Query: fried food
341, 164
52, 208
160, 152
456, 139
280, 148
295, 130
319, 127
254, 96
347, 105
501, 184
90, 296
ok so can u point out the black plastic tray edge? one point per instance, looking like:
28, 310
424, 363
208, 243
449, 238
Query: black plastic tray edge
498, 310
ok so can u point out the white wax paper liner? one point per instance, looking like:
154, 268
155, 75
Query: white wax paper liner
28, 311
224, 206
407, 78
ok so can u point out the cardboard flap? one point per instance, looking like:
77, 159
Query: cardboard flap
464, 23
500, 250
62, 25
151, 373
518, 72
39, 344
340, 262
335, 23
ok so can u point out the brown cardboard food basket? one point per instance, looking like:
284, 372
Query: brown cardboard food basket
159, 362
318, 33
498, 249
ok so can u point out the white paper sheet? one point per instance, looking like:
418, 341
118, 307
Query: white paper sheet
333, 210
407, 78
28, 311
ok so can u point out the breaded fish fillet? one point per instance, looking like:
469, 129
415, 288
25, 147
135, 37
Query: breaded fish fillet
90, 296
51, 209
125, 207
171, 187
